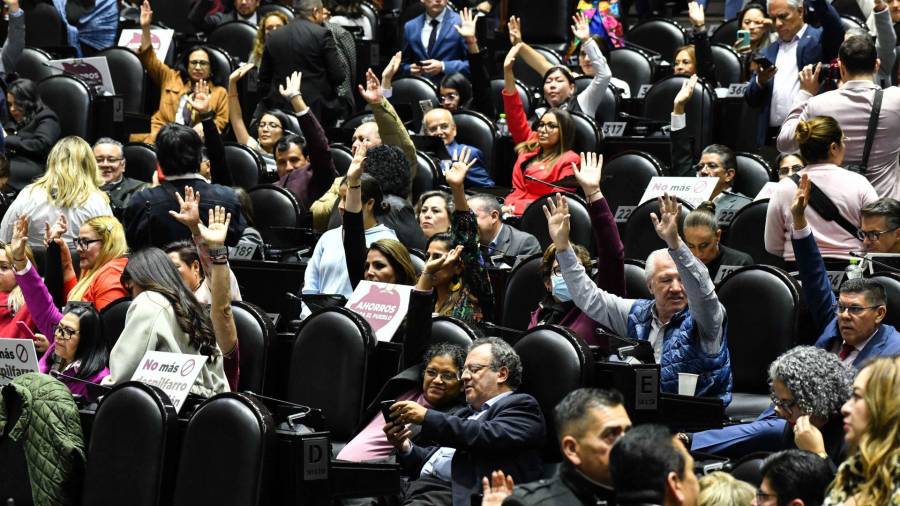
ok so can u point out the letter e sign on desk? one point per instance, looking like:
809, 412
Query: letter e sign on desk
173, 373
383, 305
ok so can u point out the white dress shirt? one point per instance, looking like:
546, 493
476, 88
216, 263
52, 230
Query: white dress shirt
426, 28
787, 82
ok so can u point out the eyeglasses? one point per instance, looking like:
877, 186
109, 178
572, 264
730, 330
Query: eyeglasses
445, 376
449, 96
473, 369
790, 169
785, 405
198, 63
872, 235
64, 333
853, 310
82, 243
548, 126
108, 159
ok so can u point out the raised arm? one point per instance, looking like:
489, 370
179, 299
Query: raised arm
145, 20
481, 79
682, 156
320, 161
591, 98
37, 298
885, 37
212, 139
519, 129
390, 126
15, 37
235, 115
610, 250
354, 231
706, 67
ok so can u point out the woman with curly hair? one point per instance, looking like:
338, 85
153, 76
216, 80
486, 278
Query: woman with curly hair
871, 475
809, 385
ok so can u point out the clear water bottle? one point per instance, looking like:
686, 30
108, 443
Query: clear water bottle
854, 270
502, 126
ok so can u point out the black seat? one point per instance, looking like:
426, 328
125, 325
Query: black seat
411, 90
226, 445
475, 129
221, 63
128, 77
173, 15
626, 176
636, 280
267, 8
640, 235
497, 90
428, 176
236, 37
342, 158
255, 331
524, 289
333, 343
632, 66
852, 22
246, 165
446, 329
140, 161
45, 27
755, 342
277, 215
354, 121
130, 434
749, 468
661, 35
751, 174
701, 107
746, 233
545, 23
369, 12
726, 33
72, 101
609, 107
891, 283
528, 75
535, 222
33, 63
555, 361
113, 319
587, 135
728, 64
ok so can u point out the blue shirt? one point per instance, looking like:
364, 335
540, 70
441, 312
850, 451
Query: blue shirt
477, 177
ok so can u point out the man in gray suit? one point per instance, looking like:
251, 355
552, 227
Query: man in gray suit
497, 238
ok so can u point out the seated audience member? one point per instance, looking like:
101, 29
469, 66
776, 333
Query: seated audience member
588, 422
268, 23
147, 217
870, 473
495, 237
822, 146
702, 235
720, 489
545, 155
650, 466
694, 339
880, 227
387, 164
434, 384
852, 105
500, 429
716, 160
794, 477
71, 186
33, 131
244, 10
809, 385
13, 309
695, 59
433, 211
111, 162
349, 13
455, 92
439, 123
193, 264
789, 164
432, 48
559, 90
273, 125
77, 347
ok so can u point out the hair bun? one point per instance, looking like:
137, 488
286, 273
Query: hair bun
708, 206
803, 132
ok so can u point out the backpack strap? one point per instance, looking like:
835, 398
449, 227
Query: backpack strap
825, 207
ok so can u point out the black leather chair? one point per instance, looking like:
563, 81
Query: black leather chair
544, 23
73, 101
128, 77
410, 90
660, 35
891, 284
246, 166
140, 161
524, 289
223, 458
342, 158
428, 176
267, 8
446, 329
852, 22
626, 176
476, 129
701, 107
535, 222
751, 174
113, 319
587, 136
333, 343
633, 66
755, 342
555, 361
636, 280
221, 63
749, 468
608, 110
746, 233
255, 332
33, 64
497, 90
130, 435
640, 235
173, 15
354, 121
370, 13
236, 37
45, 27
277, 215
726, 33
527, 74
728, 64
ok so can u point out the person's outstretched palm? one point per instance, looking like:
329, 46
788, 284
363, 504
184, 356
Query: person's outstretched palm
590, 172
214, 233
557, 214
667, 226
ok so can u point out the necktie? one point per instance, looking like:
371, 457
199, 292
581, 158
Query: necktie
431, 38
846, 350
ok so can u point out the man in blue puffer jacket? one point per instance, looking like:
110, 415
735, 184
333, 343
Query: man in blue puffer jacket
684, 322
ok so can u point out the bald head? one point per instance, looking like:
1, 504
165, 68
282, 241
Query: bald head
367, 134
439, 123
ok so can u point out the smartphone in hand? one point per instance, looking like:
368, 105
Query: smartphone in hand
763, 62
386, 410
26, 330
743, 38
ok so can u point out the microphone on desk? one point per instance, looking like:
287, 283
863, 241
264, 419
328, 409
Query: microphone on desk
558, 187
865, 256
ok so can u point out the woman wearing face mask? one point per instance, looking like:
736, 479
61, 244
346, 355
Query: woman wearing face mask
433, 211
702, 235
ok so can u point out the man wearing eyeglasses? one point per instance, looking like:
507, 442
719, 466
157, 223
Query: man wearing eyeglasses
795, 478
879, 229
111, 161
439, 123
500, 429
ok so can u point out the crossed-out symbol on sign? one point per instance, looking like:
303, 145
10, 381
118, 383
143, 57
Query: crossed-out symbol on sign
188, 367
21, 353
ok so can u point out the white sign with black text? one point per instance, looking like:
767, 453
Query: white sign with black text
17, 357
692, 190
173, 373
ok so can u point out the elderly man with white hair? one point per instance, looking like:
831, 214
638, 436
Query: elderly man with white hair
684, 322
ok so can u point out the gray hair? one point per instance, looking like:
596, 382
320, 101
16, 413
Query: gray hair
818, 380
485, 202
887, 207
652, 259
109, 140
794, 4
306, 7
502, 355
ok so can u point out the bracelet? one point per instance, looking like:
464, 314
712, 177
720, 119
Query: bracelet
218, 252
354, 186
220, 260
594, 193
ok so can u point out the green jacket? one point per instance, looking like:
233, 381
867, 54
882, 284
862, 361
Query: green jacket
49, 427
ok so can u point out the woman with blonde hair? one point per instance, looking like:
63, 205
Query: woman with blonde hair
871, 475
267, 24
722, 489
71, 186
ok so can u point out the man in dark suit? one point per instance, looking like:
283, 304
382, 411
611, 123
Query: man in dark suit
147, 219
439, 123
244, 10
497, 238
772, 90
498, 430
306, 46
432, 48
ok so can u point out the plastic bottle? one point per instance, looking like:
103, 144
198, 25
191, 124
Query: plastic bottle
502, 126
854, 270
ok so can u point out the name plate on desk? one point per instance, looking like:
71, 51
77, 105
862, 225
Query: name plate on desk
737, 89
17, 357
614, 128
642, 91
173, 373
646, 388
725, 270
692, 190
623, 213
383, 305
244, 251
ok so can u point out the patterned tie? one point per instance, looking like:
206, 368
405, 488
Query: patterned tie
431, 38
845, 352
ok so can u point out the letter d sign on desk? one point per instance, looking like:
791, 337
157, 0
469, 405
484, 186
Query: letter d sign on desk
315, 459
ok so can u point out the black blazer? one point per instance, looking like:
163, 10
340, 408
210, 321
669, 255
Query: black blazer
34, 139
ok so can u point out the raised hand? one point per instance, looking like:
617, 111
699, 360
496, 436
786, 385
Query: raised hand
60, 227
199, 100
434, 265
41, 343
696, 15
684, 95
19, 241
390, 70
801, 200
581, 29
466, 27
214, 233
589, 175
146, 14
557, 214
372, 92
667, 226
809, 78
498, 488
511, 57
514, 26
189, 210
291, 85
12, 5
355, 171
240, 72
456, 174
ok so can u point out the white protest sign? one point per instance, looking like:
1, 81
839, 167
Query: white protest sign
383, 305
17, 357
692, 190
94, 71
173, 373
160, 39
766, 191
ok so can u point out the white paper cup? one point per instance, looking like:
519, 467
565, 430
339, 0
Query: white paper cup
687, 383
